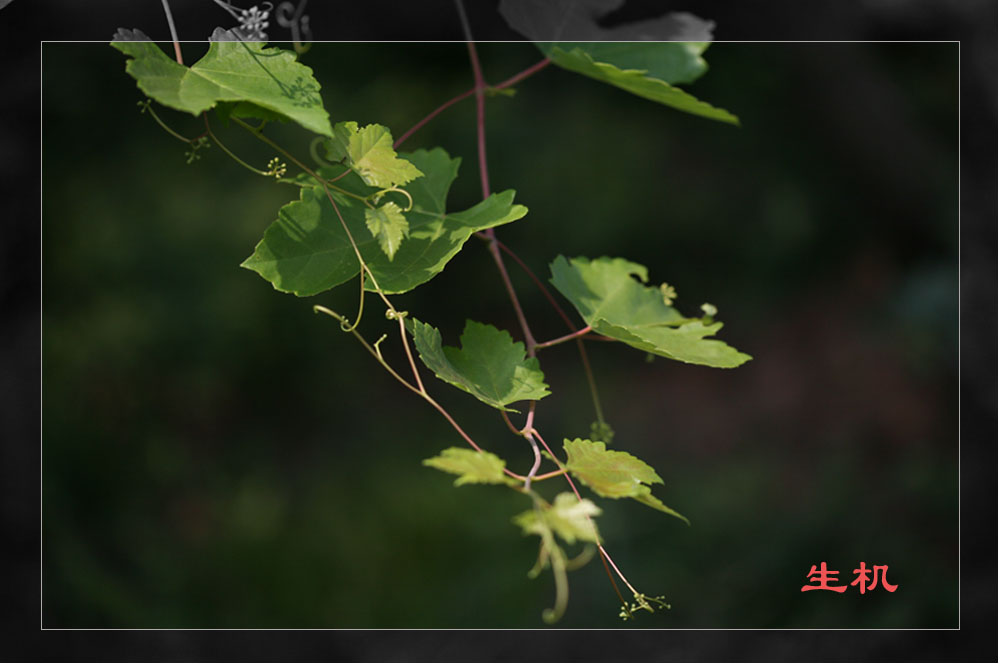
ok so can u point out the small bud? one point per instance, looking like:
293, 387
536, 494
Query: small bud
668, 293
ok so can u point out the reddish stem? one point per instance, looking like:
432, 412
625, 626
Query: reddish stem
523, 74
563, 339
538, 283
431, 115
480, 86
520, 76
605, 558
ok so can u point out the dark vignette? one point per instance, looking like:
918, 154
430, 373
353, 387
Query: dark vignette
781, 21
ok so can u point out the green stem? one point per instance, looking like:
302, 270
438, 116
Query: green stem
174, 134
319, 179
208, 129
590, 381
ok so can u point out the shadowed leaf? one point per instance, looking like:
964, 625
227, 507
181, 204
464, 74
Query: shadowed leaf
306, 251
489, 365
611, 297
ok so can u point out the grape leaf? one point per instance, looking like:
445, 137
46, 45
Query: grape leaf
672, 62
567, 516
306, 251
489, 365
646, 58
369, 152
269, 78
614, 474
129, 35
582, 59
579, 20
388, 226
610, 299
471, 466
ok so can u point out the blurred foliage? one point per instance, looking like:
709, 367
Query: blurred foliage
216, 455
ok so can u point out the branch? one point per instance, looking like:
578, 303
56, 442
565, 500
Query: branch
562, 339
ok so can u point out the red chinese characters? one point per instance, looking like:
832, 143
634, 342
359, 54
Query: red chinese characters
823, 578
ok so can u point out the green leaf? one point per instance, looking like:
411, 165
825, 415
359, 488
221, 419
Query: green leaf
489, 365
614, 303
471, 466
657, 68
568, 517
614, 474
306, 251
369, 152
267, 78
388, 226
671, 62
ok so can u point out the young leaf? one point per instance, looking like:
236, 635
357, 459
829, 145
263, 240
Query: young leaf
489, 365
568, 517
388, 226
610, 299
306, 251
471, 466
614, 474
269, 78
369, 152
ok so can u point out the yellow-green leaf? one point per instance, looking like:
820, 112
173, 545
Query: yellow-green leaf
388, 226
472, 467
570, 518
369, 152
614, 474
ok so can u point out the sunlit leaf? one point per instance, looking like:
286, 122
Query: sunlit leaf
472, 467
370, 153
568, 517
269, 78
614, 474
388, 226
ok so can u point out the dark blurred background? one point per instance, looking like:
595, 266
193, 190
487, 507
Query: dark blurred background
216, 455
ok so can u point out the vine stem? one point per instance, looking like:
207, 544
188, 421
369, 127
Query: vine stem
562, 339
605, 557
535, 279
484, 178
419, 389
520, 76
426, 119
173, 32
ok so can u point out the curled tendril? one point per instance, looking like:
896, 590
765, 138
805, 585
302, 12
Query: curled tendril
381, 193
314, 154
393, 314
292, 17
